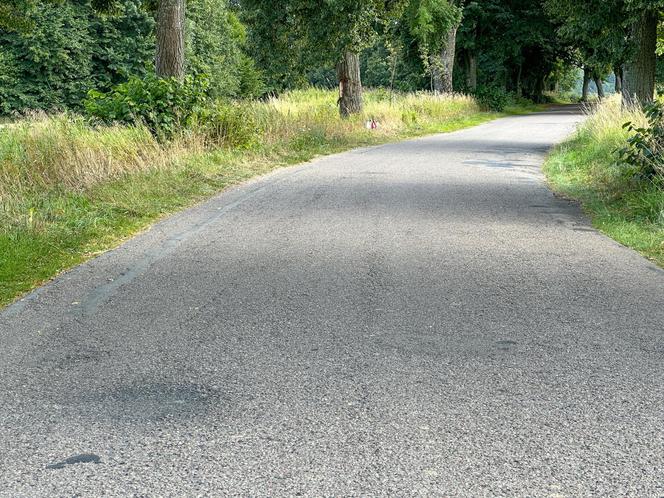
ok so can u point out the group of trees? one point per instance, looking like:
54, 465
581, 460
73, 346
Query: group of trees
54, 51
612, 35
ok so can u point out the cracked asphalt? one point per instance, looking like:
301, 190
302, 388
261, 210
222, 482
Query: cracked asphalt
419, 318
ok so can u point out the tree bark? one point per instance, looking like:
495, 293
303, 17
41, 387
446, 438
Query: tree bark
586, 84
639, 72
350, 84
519, 87
471, 71
600, 87
169, 60
619, 78
436, 74
443, 69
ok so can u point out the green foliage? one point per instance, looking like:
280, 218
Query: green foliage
430, 20
43, 58
595, 34
12, 14
251, 83
387, 64
300, 36
165, 106
491, 98
514, 43
644, 153
123, 43
216, 40
67, 49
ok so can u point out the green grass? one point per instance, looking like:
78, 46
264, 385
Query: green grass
585, 169
69, 191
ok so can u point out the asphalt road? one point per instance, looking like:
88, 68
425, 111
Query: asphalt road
416, 318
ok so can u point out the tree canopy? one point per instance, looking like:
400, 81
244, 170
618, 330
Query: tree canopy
55, 51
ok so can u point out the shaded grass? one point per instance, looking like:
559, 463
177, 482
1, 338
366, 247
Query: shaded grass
585, 168
69, 192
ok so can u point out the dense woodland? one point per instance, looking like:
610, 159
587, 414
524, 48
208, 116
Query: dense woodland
56, 53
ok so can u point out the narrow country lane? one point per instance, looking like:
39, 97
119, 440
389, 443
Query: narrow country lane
416, 318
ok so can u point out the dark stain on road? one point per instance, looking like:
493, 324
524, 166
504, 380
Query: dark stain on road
76, 459
505, 345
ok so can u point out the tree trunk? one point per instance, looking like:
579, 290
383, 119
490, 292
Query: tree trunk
350, 84
619, 78
169, 61
639, 72
447, 55
443, 68
600, 87
471, 71
436, 74
586, 84
539, 89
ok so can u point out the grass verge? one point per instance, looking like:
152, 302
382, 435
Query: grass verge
69, 191
585, 168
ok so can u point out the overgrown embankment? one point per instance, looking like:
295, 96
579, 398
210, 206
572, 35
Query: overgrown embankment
624, 201
69, 190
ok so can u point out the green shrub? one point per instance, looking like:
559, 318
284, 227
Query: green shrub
491, 98
67, 48
165, 106
251, 83
230, 125
644, 153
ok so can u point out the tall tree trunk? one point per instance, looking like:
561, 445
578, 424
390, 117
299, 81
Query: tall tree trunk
619, 78
519, 88
169, 61
539, 89
639, 72
350, 84
586, 84
447, 55
471, 71
436, 74
600, 87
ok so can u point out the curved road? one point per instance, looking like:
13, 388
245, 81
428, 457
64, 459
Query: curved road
417, 318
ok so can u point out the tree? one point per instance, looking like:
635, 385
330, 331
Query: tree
638, 84
169, 58
331, 32
507, 46
215, 41
169, 34
595, 36
434, 24
620, 35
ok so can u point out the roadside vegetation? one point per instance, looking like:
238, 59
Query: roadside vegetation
617, 172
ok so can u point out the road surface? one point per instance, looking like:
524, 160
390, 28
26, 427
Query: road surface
416, 318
